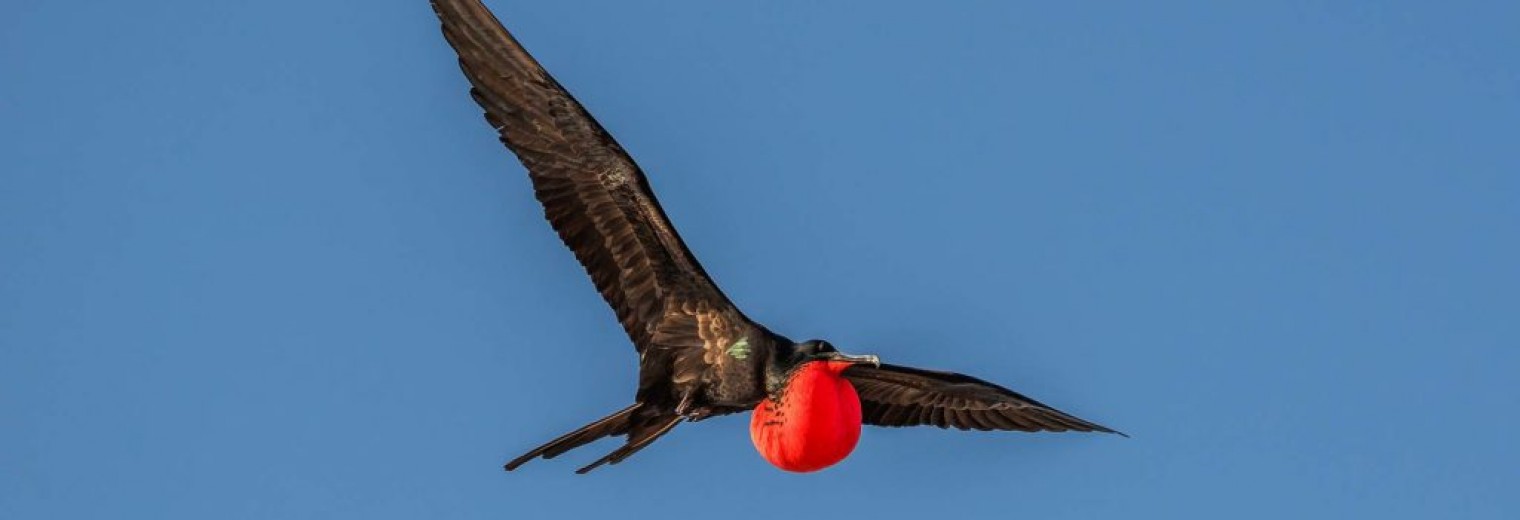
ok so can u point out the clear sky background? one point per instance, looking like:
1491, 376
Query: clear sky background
265, 259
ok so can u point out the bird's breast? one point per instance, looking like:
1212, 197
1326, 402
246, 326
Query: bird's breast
813, 424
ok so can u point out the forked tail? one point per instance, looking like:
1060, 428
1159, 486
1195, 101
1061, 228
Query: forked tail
641, 429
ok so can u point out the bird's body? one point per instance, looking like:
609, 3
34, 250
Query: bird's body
699, 355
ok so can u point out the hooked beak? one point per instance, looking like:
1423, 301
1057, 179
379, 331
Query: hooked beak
858, 360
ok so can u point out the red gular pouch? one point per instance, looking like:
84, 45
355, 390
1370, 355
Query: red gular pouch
814, 424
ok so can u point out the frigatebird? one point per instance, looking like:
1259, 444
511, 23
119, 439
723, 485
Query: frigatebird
699, 356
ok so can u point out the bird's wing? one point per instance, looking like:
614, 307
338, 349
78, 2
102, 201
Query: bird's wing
892, 395
593, 194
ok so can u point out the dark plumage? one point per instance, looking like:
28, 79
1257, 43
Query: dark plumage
698, 354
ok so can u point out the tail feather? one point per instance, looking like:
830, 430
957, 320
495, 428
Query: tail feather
646, 433
615, 424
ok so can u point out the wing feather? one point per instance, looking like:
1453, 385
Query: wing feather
593, 194
892, 395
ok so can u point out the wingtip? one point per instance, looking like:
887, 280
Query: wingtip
518, 462
1105, 429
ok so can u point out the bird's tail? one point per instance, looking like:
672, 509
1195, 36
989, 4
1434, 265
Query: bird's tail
646, 431
616, 424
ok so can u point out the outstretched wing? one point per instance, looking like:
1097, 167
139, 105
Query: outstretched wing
892, 395
593, 194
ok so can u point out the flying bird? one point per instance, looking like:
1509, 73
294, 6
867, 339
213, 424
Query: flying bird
699, 355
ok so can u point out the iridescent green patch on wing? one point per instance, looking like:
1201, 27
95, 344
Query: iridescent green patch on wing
739, 350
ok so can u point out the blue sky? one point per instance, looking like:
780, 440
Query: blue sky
265, 260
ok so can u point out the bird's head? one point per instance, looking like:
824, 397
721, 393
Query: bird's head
789, 361
820, 350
